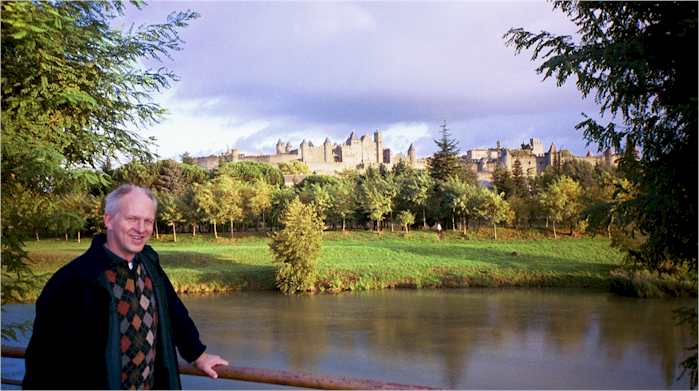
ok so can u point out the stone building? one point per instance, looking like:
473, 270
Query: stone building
328, 158
532, 158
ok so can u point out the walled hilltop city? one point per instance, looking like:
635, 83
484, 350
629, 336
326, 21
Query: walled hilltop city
360, 153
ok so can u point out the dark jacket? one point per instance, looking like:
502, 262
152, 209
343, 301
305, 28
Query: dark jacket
75, 340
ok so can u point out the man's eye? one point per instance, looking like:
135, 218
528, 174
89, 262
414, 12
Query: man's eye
148, 221
131, 219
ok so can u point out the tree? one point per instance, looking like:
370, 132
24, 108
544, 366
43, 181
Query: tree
376, 198
192, 212
170, 210
227, 192
187, 159
502, 180
296, 247
344, 200
72, 213
74, 94
249, 171
455, 194
169, 177
627, 58
208, 205
445, 162
191, 173
293, 167
414, 190
406, 219
257, 198
281, 198
319, 197
520, 187
135, 172
495, 209
561, 201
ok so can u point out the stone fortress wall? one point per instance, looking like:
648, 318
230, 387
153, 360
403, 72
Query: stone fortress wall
328, 158
532, 157
360, 153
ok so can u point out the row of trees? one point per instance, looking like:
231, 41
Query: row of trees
250, 195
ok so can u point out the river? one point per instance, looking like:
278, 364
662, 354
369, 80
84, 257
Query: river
462, 338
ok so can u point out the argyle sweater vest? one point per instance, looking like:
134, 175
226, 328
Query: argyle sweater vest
137, 317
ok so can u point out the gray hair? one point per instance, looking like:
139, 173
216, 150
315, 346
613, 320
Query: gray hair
111, 202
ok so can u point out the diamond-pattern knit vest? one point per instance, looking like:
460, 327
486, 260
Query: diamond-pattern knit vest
137, 317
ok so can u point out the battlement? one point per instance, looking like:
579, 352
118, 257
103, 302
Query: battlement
328, 158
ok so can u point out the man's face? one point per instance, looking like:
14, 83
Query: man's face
130, 227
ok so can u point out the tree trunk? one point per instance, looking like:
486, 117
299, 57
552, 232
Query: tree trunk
463, 225
554, 229
424, 219
194, 230
343, 224
231, 228
215, 233
36, 235
174, 232
495, 231
66, 235
547, 222
78, 236
157, 235
453, 223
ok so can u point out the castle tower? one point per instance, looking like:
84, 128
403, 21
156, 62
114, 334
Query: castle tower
287, 147
411, 155
537, 146
304, 149
351, 139
552, 155
328, 151
378, 144
280, 147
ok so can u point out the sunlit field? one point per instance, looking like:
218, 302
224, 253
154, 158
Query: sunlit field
367, 260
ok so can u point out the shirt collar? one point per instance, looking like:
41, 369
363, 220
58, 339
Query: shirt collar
117, 260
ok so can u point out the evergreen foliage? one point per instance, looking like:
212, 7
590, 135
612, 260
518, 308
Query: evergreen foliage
249, 171
296, 247
445, 162
639, 61
293, 167
73, 95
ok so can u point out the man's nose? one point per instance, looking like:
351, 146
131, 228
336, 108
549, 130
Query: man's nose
141, 225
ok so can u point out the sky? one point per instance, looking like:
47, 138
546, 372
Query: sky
255, 72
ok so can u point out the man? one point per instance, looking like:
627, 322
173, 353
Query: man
110, 319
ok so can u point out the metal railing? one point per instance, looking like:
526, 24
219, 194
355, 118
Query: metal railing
269, 376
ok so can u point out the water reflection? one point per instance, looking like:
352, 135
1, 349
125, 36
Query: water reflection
512, 338
458, 338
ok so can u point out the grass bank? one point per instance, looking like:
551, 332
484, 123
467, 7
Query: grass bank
366, 260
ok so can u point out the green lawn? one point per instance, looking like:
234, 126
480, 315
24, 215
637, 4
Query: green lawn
365, 260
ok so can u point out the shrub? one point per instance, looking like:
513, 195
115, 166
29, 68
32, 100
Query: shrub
296, 247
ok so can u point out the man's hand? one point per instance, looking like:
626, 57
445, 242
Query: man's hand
206, 362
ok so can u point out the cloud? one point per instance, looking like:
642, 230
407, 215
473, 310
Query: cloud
254, 72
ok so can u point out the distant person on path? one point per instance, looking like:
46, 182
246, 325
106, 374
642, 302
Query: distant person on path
110, 319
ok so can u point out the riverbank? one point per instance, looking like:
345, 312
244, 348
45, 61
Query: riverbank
365, 260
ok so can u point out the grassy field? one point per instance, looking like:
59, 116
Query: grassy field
366, 260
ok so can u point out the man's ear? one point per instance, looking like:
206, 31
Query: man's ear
108, 221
